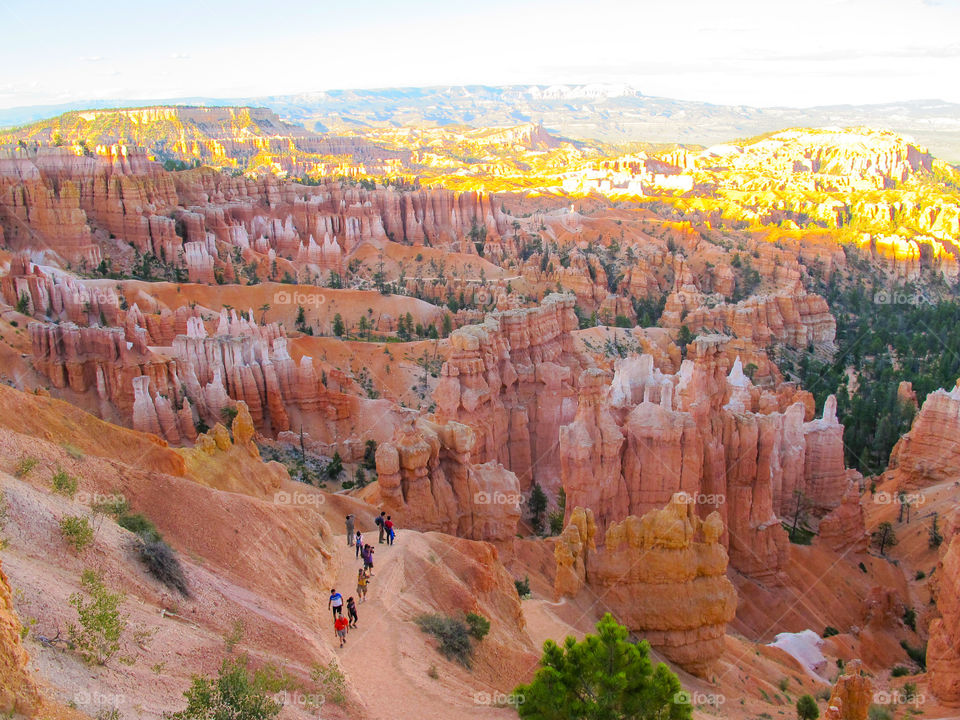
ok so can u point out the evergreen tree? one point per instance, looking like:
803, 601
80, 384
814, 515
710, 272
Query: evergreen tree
604, 676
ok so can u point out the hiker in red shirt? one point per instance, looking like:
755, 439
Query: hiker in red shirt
388, 524
340, 625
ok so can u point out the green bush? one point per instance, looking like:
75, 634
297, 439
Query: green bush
807, 708
97, 638
235, 694
910, 618
116, 506
900, 671
523, 586
918, 655
64, 484
878, 712
453, 635
140, 525
830, 631
25, 466
479, 625
76, 532
161, 562
330, 681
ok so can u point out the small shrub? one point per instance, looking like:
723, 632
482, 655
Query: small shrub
920, 575
783, 684
234, 693
479, 625
140, 525
807, 708
73, 451
330, 682
523, 587
900, 671
76, 532
863, 568
162, 563
878, 712
432, 672
233, 638
115, 506
830, 631
918, 655
910, 618
25, 466
909, 691
64, 484
97, 638
453, 635
823, 694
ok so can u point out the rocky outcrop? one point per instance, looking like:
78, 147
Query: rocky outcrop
943, 651
512, 379
18, 693
428, 481
852, 695
663, 575
929, 453
843, 530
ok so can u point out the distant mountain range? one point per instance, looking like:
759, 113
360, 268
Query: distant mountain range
608, 113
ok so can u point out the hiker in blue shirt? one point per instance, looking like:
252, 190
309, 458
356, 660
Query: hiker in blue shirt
335, 603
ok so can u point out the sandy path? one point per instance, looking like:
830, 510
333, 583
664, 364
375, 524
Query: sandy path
386, 657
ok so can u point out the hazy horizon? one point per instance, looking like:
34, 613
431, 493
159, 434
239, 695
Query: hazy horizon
820, 52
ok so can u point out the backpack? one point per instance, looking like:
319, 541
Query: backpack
379, 521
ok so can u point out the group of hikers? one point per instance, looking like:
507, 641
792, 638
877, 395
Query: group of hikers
365, 551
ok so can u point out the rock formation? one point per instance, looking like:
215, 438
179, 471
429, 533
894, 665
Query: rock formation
428, 481
943, 651
663, 575
18, 693
929, 453
852, 695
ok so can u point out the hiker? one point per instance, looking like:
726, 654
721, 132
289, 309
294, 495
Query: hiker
362, 584
358, 542
340, 625
368, 559
388, 524
352, 612
335, 603
350, 518
379, 521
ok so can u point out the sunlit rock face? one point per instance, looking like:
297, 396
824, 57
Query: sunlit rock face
663, 575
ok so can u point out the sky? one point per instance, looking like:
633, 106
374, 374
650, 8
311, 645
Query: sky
749, 52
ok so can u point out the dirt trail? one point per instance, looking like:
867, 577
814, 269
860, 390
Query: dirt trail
387, 657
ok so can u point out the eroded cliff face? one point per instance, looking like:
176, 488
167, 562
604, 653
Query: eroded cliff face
663, 575
513, 380
943, 651
730, 446
929, 453
18, 693
428, 481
